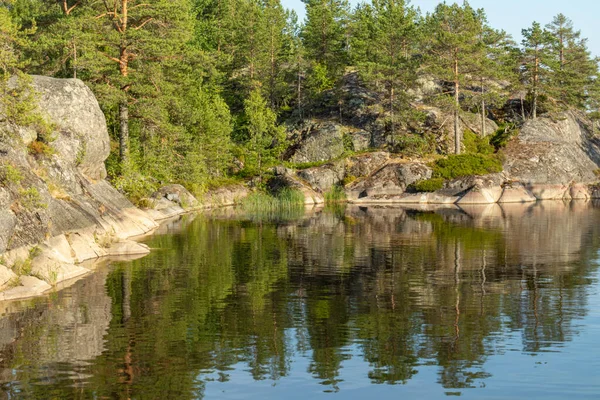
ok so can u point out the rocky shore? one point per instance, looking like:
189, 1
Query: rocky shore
58, 213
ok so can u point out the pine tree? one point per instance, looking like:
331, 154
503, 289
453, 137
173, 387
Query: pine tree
575, 67
325, 35
492, 64
390, 59
537, 63
265, 137
453, 47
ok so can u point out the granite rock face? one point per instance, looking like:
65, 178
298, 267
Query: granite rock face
56, 209
390, 180
553, 151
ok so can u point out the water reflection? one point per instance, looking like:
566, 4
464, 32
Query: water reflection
295, 301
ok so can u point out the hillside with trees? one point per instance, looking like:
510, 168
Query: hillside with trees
208, 92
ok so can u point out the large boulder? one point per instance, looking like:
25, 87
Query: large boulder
72, 107
391, 180
319, 141
362, 165
553, 151
323, 178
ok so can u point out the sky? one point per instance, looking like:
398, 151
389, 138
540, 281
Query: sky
514, 15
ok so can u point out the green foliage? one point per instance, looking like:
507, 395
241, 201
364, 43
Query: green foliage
428, 185
475, 144
335, 195
135, 186
415, 144
460, 165
287, 203
10, 175
503, 135
31, 199
266, 139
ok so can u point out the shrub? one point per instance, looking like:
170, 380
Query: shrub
39, 148
135, 186
428, 185
503, 135
456, 166
10, 175
477, 145
31, 199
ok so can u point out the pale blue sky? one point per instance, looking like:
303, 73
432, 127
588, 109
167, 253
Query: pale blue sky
514, 15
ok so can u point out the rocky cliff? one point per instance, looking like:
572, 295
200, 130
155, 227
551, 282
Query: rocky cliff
553, 157
56, 209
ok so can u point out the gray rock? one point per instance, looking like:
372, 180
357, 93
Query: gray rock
361, 140
323, 178
553, 152
390, 180
320, 142
83, 138
365, 164
176, 194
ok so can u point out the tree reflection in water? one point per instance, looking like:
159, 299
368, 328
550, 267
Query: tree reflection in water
397, 288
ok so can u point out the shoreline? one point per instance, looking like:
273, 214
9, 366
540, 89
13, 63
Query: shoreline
130, 248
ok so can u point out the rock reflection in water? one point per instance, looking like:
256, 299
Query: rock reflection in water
398, 288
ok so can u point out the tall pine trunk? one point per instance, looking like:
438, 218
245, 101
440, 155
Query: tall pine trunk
123, 105
483, 132
535, 86
124, 132
457, 135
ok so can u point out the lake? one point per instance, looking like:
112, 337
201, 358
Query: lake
485, 302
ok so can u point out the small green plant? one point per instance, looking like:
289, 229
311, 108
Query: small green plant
414, 144
335, 195
9, 174
81, 152
34, 252
348, 179
23, 267
31, 199
428, 185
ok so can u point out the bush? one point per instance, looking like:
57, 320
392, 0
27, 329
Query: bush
477, 145
428, 185
503, 135
135, 186
456, 166
10, 175
39, 148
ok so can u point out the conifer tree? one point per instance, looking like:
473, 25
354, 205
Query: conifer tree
575, 68
265, 137
325, 35
390, 61
453, 46
537, 63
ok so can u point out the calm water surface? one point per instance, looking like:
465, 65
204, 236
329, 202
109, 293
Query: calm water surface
371, 302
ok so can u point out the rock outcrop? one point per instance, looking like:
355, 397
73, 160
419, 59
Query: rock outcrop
555, 150
56, 209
